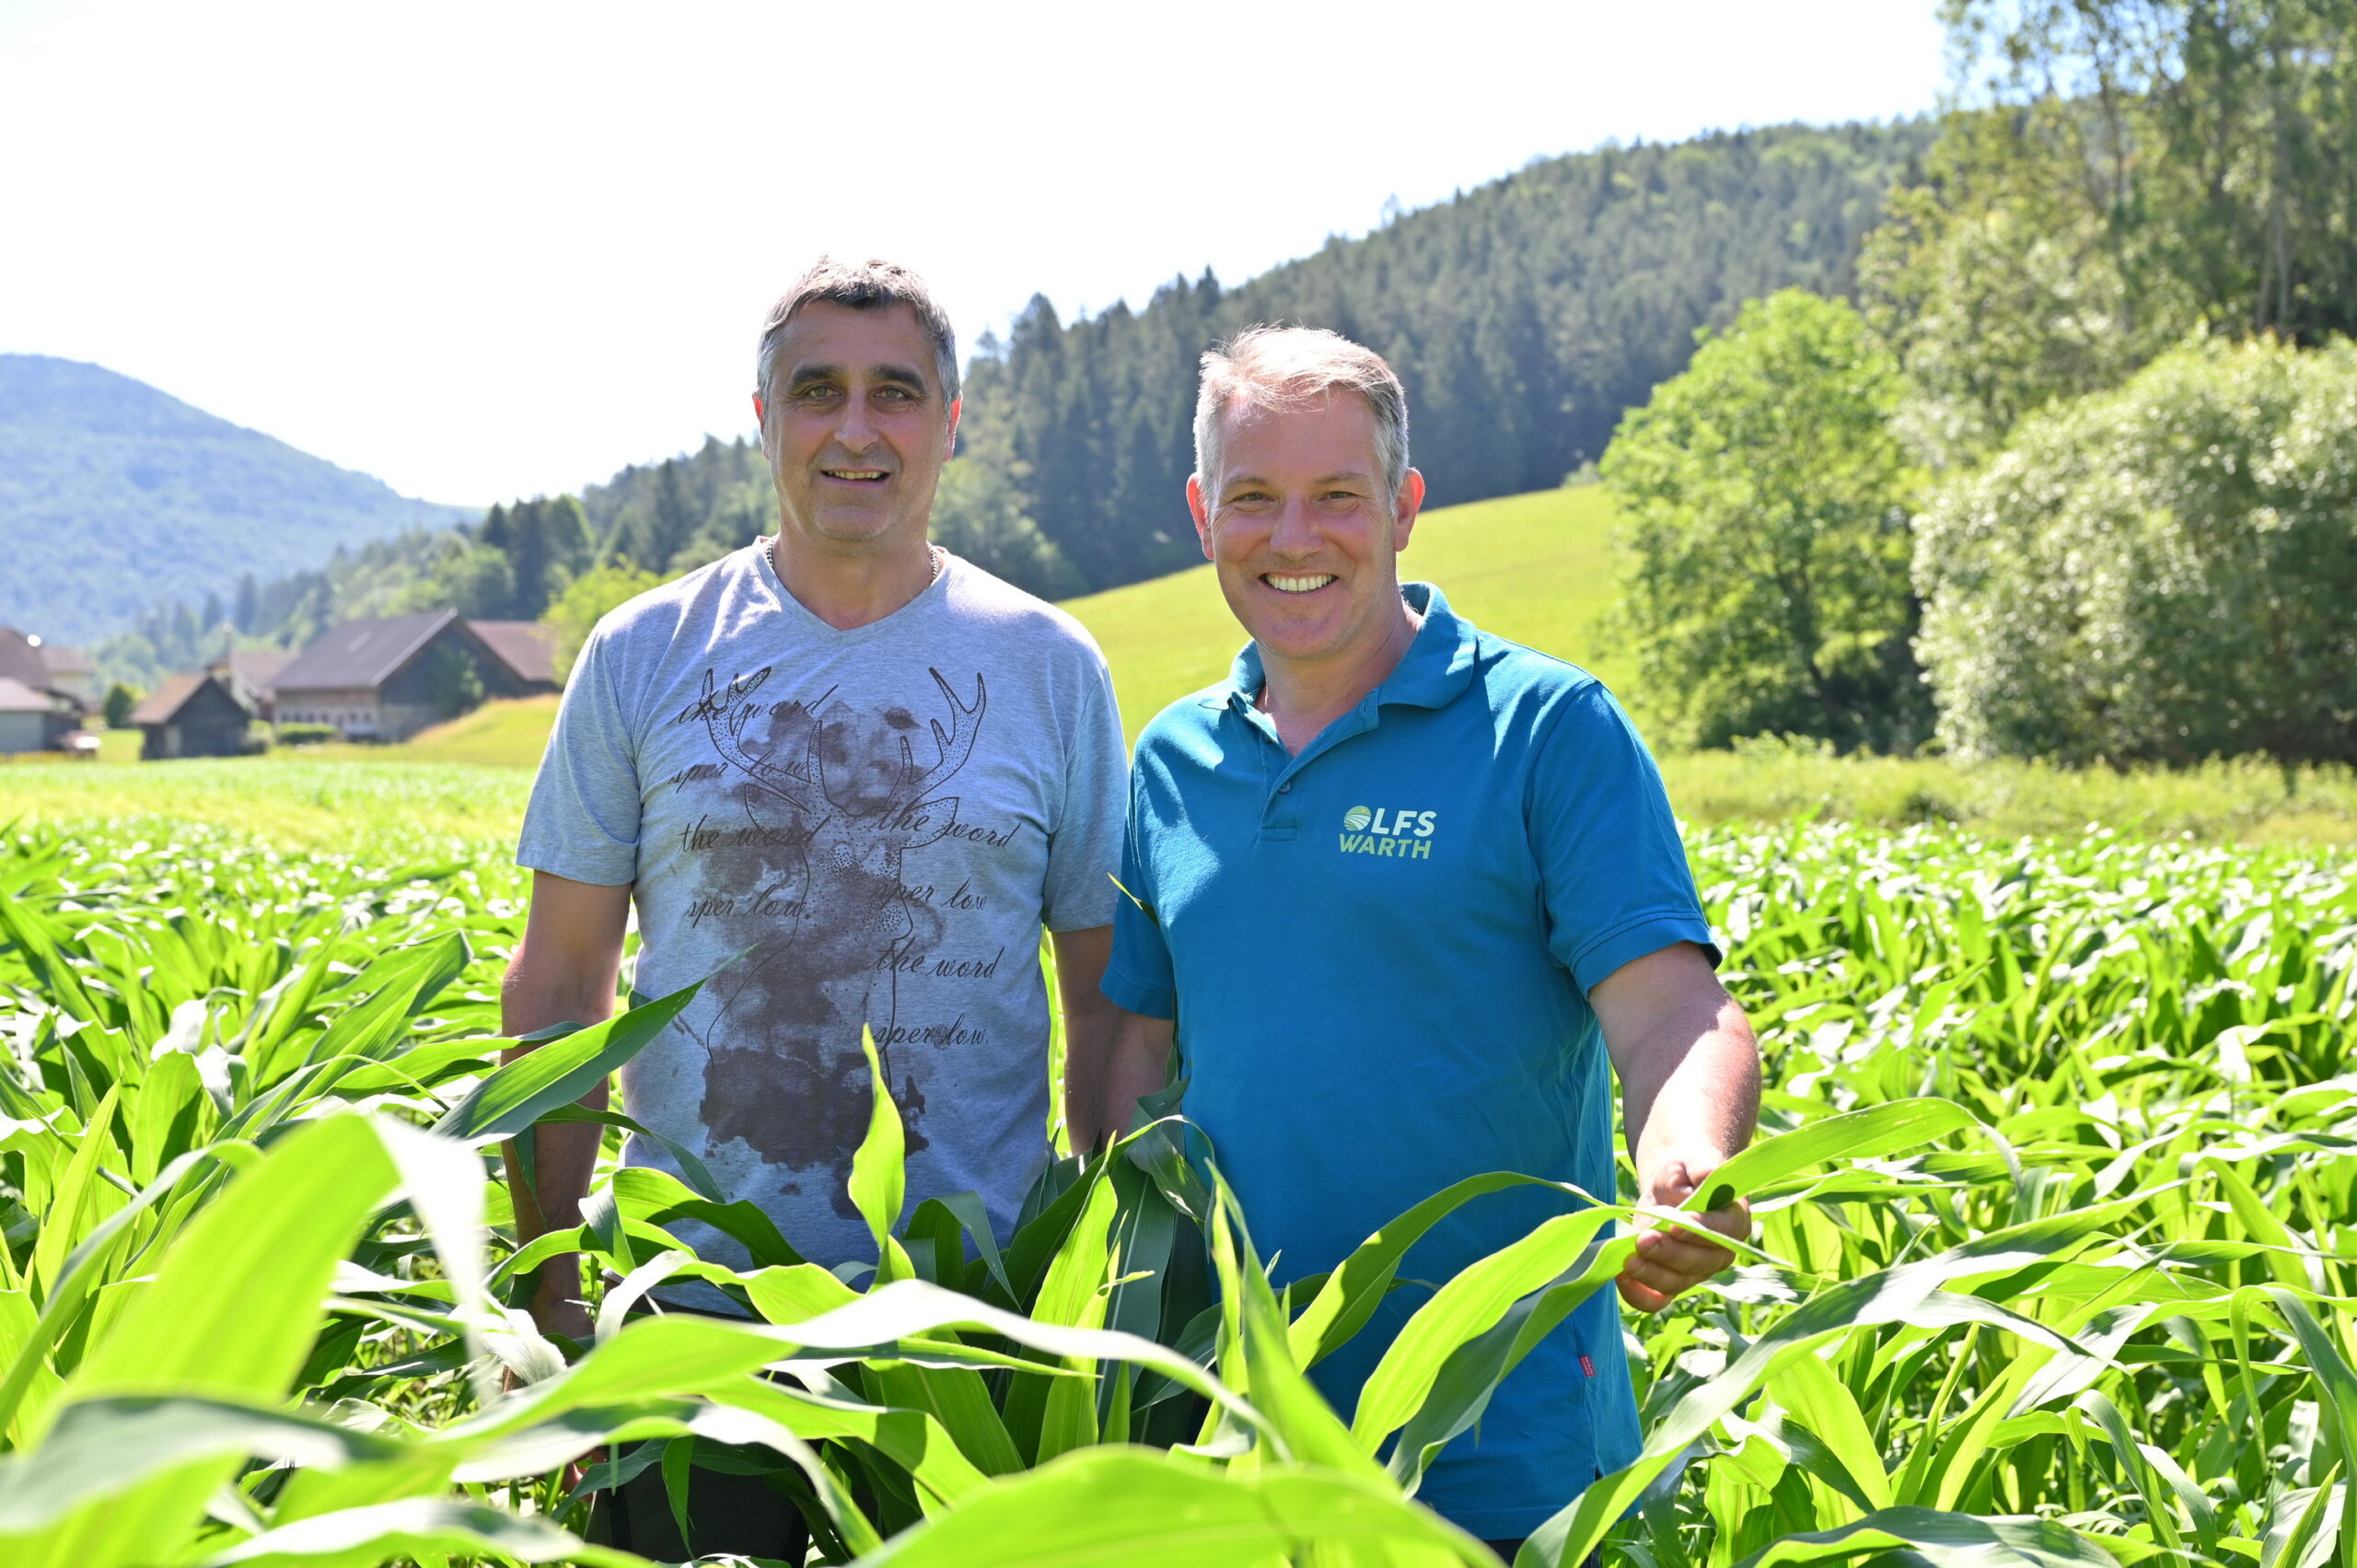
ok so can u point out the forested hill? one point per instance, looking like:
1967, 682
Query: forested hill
1525, 317
114, 497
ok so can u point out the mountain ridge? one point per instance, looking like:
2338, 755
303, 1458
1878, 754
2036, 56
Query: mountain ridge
100, 473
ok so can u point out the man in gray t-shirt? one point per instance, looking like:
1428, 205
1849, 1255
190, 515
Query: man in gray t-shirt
869, 768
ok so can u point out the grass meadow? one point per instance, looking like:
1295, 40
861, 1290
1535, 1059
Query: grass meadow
1534, 568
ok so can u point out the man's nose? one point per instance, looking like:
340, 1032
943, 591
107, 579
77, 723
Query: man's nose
1295, 532
856, 430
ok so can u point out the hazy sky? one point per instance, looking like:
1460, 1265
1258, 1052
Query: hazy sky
491, 250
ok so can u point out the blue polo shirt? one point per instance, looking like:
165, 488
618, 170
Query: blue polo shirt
1378, 953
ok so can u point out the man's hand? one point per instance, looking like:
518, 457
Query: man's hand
1690, 1093
1669, 1262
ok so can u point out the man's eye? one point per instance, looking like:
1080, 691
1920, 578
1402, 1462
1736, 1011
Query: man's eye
898, 394
816, 394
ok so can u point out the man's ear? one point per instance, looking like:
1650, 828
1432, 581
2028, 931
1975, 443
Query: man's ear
949, 446
1196, 505
762, 421
1411, 501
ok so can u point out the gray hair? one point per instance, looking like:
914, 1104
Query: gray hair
1287, 367
863, 286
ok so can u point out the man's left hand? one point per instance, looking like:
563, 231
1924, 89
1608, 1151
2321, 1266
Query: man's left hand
1670, 1261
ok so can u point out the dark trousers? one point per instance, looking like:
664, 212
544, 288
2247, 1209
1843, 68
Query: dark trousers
726, 1513
1506, 1549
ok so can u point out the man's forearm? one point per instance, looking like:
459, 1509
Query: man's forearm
1135, 1063
1691, 1098
563, 1156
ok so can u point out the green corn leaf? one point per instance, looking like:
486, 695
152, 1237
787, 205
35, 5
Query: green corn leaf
876, 1170
976, 1223
1298, 1415
85, 1269
1889, 1296
1805, 1387
1466, 1307
558, 1073
277, 1232
1942, 1540
424, 1528
82, 1199
1142, 1510
101, 1447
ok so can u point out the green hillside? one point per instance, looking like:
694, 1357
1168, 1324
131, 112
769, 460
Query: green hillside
1524, 317
1533, 568
115, 497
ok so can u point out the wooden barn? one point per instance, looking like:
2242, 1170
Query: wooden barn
195, 714
387, 680
36, 713
530, 649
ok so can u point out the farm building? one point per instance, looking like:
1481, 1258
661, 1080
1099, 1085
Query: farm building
387, 680
529, 650
195, 714
36, 714
252, 676
70, 671
33, 720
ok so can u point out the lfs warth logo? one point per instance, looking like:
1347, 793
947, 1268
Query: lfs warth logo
1396, 832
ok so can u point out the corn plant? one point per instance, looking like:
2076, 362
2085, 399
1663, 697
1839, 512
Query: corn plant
2052, 1264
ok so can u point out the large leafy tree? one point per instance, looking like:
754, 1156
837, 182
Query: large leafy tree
1767, 585
2162, 574
2126, 170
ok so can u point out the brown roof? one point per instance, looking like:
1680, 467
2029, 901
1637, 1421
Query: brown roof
15, 697
159, 706
20, 661
258, 668
528, 647
164, 703
360, 653
65, 661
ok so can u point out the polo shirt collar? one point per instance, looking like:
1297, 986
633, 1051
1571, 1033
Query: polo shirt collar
1435, 670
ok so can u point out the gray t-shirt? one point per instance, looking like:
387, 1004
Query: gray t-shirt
880, 820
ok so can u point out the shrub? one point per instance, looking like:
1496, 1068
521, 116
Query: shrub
2160, 573
1767, 585
575, 612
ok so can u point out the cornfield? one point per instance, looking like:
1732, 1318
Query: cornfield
2056, 1260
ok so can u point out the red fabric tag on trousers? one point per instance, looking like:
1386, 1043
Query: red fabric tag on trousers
1587, 1365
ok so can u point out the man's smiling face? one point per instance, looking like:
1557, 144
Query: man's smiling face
1304, 536
855, 424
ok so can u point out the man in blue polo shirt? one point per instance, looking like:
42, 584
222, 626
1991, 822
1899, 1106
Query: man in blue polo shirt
1409, 895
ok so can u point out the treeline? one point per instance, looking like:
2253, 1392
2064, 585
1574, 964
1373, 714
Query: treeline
2077, 480
513, 565
1525, 317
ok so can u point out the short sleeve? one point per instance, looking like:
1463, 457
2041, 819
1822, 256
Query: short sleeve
1138, 976
1085, 845
1616, 884
583, 821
